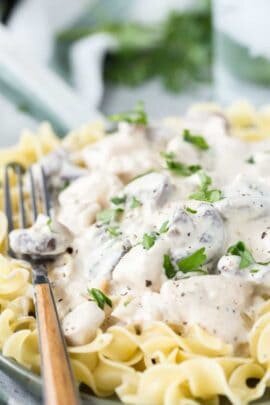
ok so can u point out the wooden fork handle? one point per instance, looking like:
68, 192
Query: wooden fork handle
59, 387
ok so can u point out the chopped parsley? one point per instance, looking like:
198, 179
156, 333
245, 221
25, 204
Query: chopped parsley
192, 262
239, 249
198, 141
251, 160
49, 223
190, 210
149, 240
65, 184
164, 227
137, 116
178, 168
113, 230
135, 203
204, 193
100, 298
168, 266
254, 271
108, 215
118, 200
142, 175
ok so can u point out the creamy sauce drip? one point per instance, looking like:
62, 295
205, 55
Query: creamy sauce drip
222, 301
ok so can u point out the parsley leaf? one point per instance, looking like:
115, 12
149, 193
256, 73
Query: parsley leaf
164, 227
198, 141
108, 215
168, 266
149, 240
239, 249
49, 224
137, 116
250, 160
188, 209
141, 175
204, 193
181, 169
118, 200
100, 298
65, 184
192, 262
113, 230
135, 203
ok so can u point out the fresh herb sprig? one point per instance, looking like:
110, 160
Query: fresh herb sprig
240, 249
109, 214
149, 239
135, 203
170, 269
191, 263
197, 140
179, 168
191, 210
204, 193
100, 298
119, 200
113, 230
137, 116
152, 51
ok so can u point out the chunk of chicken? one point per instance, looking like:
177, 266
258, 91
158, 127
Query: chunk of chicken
123, 154
81, 324
81, 201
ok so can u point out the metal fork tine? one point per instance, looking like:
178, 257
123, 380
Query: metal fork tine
33, 194
45, 192
19, 173
7, 201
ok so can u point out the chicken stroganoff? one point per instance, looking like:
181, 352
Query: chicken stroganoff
158, 222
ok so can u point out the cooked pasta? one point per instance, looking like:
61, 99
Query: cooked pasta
155, 362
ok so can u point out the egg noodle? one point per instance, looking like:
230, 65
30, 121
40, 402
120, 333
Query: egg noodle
153, 365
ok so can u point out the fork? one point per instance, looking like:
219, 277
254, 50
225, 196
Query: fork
58, 381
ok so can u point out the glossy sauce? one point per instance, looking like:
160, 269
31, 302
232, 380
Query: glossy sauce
111, 257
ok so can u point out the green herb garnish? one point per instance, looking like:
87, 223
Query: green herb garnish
164, 227
251, 160
108, 215
100, 298
118, 200
142, 175
189, 264
192, 262
204, 193
113, 230
239, 249
149, 240
168, 266
137, 116
66, 183
151, 51
254, 271
198, 141
135, 203
49, 223
188, 209
181, 169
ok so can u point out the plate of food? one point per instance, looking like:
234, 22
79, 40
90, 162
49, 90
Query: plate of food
161, 281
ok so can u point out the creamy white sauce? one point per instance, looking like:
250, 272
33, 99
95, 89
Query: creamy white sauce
112, 257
